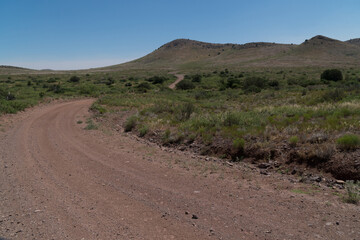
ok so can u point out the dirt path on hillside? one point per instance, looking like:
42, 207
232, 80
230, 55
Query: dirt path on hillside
179, 78
59, 181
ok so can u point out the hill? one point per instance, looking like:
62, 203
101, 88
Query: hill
188, 54
355, 41
12, 69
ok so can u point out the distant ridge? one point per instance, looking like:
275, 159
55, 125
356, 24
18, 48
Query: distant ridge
319, 51
186, 54
13, 67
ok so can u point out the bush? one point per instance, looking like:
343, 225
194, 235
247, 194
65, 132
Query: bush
91, 125
3, 94
253, 89
348, 142
202, 95
230, 119
130, 123
353, 192
110, 81
233, 83
185, 85
143, 131
332, 75
156, 79
143, 87
274, 83
88, 89
254, 84
196, 78
98, 108
333, 95
239, 144
184, 111
293, 141
74, 79
237, 149
56, 88
292, 81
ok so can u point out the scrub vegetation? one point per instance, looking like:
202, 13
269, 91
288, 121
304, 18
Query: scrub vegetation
261, 113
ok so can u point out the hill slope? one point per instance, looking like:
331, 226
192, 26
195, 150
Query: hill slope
189, 54
355, 41
11, 69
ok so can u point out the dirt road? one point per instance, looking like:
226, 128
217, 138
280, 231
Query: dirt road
59, 181
179, 78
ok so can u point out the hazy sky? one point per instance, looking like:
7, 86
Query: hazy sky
73, 34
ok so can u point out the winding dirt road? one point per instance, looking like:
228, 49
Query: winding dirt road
59, 181
179, 78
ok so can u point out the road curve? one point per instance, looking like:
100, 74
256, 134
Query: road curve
179, 78
59, 181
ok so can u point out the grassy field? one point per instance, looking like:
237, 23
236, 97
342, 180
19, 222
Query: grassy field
255, 113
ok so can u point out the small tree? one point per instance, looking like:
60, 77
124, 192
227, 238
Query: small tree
185, 85
74, 79
196, 78
332, 75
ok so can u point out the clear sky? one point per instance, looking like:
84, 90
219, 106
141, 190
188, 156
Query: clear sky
74, 34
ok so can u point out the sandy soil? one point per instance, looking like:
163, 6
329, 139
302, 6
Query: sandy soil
59, 181
179, 78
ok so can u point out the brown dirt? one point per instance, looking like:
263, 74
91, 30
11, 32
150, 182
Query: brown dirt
179, 78
59, 181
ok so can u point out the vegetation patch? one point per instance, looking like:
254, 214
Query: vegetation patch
348, 142
352, 192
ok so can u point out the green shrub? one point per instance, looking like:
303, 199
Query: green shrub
3, 93
162, 107
332, 75
88, 89
51, 80
98, 108
56, 88
143, 87
185, 85
91, 125
353, 192
130, 123
232, 83
293, 141
230, 119
253, 89
237, 151
255, 81
292, 81
184, 111
274, 83
143, 131
74, 79
166, 136
202, 95
239, 144
196, 78
157, 79
333, 95
348, 142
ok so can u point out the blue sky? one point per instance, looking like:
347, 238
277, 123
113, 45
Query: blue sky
74, 34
